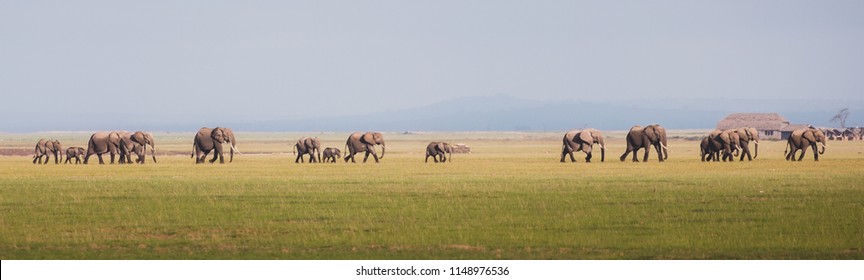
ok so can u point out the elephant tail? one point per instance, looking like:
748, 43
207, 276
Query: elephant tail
194, 150
786, 151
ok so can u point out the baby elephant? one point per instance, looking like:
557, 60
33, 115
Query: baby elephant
331, 154
75, 152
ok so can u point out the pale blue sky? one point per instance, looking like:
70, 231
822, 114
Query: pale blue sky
270, 60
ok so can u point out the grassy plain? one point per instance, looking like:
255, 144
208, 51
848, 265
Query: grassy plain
509, 199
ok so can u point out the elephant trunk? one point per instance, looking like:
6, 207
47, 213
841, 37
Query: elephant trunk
665, 154
383, 148
602, 151
755, 148
233, 148
152, 150
823, 148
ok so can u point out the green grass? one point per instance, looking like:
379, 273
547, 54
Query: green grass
509, 199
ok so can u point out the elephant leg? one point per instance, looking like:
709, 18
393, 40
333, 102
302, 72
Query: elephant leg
815, 152
299, 158
101, 161
803, 151
588, 157
645, 157
626, 152
202, 157
370, 149
56, 158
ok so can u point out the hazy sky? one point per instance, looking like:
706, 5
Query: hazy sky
222, 61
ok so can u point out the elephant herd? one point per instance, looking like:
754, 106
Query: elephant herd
718, 145
122, 143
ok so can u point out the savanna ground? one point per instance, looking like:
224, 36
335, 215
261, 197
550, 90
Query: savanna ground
509, 199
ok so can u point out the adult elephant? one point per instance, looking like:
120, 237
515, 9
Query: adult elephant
803, 138
438, 149
46, 148
725, 141
137, 143
644, 138
211, 139
76, 153
583, 140
745, 135
364, 142
310, 146
103, 142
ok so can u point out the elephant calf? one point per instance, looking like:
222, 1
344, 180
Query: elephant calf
75, 152
331, 154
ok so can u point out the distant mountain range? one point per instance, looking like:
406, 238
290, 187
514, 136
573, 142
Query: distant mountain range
497, 112
506, 113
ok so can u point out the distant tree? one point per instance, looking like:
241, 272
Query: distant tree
841, 117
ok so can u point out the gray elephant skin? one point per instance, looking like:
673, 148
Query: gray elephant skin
212, 139
331, 154
803, 138
723, 144
745, 135
644, 138
583, 140
137, 143
364, 142
103, 142
438, 150
75, 152
46, 148
310, 146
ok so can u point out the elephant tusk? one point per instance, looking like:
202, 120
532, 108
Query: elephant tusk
664, 146
235, 148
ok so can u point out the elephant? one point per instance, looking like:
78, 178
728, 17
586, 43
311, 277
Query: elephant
311, 146
136, 142
438, 149
584, 140
364, 142
211, 139
652, 135
46, 148
706, 149
331, 154
745, 135
801, 139
103, 142
725, 141
75, 152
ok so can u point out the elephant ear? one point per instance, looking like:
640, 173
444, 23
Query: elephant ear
650, 132
139, 137
217, 134
368, 138
586, 137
